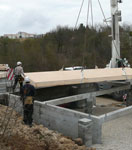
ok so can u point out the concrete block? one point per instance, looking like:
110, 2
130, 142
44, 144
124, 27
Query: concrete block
87, 103
85, 131
97, 130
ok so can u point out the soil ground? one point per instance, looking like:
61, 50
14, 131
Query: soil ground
105, 105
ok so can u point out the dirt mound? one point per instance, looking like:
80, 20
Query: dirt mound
17, 136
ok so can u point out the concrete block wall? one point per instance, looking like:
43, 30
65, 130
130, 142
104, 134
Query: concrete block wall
57, 118
70, 123
65, 120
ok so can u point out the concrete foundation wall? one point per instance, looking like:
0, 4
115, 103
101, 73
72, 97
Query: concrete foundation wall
57, 118
70, 123
115, 114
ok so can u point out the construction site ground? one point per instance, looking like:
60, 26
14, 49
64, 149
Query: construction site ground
117, 134
105, 105
14, 135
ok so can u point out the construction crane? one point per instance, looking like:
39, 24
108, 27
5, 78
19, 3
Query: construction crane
116, 17
116, 60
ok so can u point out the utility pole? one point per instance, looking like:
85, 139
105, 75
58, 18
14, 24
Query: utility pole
116, 17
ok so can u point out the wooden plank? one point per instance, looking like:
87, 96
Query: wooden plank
57, 78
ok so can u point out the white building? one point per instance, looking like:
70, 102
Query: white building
20, 35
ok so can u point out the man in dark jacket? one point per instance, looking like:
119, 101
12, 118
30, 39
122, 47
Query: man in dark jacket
28, 94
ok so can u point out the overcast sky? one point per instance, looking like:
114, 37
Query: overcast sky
41, 16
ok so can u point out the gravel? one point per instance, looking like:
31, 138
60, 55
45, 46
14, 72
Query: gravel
117, 134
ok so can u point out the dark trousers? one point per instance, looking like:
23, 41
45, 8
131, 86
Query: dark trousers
28, 112
18, 79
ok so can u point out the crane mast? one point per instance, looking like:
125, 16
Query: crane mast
116, 17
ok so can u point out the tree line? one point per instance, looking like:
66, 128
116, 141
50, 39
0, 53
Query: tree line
64, 47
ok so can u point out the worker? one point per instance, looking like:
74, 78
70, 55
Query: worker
19, 76
120, 63
28, 94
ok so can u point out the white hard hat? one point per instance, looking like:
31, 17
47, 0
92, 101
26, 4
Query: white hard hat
27, 79
124, 58
19, 63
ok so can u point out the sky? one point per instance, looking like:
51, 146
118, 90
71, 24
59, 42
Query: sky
41, 16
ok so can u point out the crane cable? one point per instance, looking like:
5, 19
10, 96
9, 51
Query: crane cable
108, 26
85, 36
92, 18
79, 14
88, 9
91, 12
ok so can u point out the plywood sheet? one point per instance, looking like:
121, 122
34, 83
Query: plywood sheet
56, 78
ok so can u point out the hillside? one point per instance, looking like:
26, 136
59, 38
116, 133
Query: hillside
63, 47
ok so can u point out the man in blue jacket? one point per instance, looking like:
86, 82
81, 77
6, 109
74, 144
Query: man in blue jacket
28, 94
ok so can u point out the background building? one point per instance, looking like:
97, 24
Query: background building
20, 35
